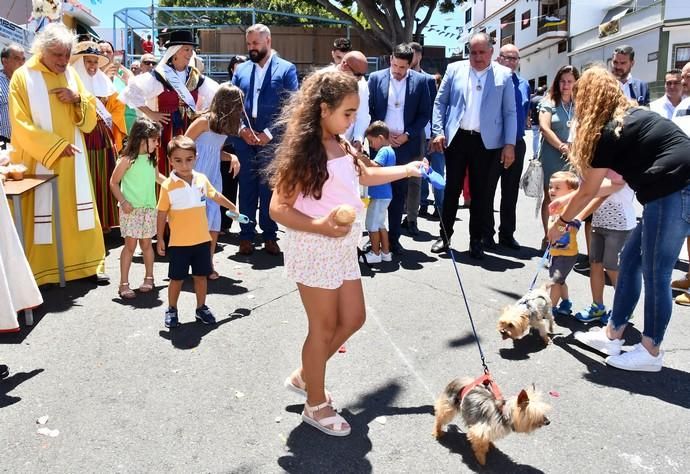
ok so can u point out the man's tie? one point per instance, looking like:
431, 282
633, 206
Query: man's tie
249, 104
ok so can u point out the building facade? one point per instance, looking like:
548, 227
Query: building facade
538, 28
658, 31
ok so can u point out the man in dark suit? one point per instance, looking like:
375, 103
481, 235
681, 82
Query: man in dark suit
400, 97
418, 188
474, 123
266, 81
622, 63
510, 177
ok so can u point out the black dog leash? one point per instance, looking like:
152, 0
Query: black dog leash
462, 290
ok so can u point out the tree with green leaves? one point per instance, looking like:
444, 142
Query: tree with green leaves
384, 23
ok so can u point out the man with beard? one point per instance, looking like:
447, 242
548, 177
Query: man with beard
621, 64
266, 80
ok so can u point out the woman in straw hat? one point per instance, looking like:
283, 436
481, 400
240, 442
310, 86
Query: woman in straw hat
105, 140
174, 93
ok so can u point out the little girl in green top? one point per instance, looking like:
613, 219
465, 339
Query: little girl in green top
133, 184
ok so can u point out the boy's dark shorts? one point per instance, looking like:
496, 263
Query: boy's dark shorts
181, 258
561, 265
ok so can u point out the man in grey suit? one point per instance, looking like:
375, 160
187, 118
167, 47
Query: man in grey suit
474, 123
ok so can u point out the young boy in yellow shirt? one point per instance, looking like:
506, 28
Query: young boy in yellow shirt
182, 204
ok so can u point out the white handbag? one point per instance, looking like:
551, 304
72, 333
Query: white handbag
532, 182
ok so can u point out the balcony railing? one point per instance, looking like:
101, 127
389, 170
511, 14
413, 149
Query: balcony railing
556, 21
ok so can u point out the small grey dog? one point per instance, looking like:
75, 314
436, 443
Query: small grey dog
487, 416
532, 310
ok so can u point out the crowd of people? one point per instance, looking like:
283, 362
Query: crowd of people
158, 150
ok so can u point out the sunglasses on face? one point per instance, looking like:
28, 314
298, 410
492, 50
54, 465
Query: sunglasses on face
358, 75
149, 63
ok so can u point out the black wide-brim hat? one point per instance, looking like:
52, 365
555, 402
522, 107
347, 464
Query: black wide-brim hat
181, 37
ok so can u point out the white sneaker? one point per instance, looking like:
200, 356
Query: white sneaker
638, 359
386, 257
596, 339
372, 257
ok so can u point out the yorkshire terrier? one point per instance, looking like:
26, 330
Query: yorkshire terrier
487, 416
532, 311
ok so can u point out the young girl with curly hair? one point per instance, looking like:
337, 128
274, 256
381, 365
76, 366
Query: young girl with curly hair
314, 172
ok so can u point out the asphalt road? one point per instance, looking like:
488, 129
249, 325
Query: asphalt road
127, 395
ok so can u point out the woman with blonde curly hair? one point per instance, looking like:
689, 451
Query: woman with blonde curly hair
653, 156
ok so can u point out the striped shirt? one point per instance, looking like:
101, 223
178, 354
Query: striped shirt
186, 208
5, 129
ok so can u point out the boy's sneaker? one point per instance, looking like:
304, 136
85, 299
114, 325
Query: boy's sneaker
372, 257
564, 308
171, 319
605, 318
683, 300
681, 285
594, 312
204, 315
596, 339
388, 257
638, 359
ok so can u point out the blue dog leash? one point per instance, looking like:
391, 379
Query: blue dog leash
542, 264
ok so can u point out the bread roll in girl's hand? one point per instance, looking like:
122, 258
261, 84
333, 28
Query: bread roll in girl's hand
345, 215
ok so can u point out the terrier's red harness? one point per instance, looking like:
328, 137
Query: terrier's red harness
485, 380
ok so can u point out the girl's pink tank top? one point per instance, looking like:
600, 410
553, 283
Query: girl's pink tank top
341, 187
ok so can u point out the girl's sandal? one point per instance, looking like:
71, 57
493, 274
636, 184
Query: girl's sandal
126, 292
214, 275
295, 384
147, 285
334, 425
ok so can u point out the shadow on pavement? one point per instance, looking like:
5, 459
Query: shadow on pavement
10, 383
55, 300
189, 335
466, 340
669, 385
313, 451
496, 461
221, 286
259, 260
148, 300
490, 262
529, 344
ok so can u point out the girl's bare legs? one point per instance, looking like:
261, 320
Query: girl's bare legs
214, 239
597, 281
341, 313
147, 249
321, 306
126, 259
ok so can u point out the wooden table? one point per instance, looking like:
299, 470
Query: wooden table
17, 189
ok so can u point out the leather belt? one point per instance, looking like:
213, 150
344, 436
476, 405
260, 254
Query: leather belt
468, 132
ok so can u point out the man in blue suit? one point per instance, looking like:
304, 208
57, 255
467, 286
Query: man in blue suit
266, 81
400, 97
474, 122
622, 63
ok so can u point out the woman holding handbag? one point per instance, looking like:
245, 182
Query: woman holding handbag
556, 116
